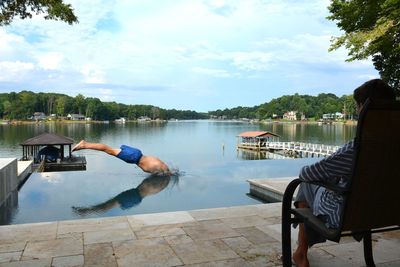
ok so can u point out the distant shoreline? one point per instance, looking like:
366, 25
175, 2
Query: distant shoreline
21, 122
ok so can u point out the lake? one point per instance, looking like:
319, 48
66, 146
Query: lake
212, 173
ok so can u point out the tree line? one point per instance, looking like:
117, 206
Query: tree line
22, 105
310, 106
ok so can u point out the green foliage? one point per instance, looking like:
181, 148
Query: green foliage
22, 105
371, 29
310, 106
53, 9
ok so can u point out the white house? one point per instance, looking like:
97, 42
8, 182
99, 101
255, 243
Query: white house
75, 117
333, 116
290, 115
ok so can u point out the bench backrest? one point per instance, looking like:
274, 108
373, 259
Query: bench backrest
374, 198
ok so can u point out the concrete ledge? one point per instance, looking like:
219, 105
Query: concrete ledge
24, 170
8, 177
12, 174
269, 189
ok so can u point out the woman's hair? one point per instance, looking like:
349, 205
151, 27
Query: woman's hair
374, 89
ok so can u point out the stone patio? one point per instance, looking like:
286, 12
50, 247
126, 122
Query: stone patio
235, 236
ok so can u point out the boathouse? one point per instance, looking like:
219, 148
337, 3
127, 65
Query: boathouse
45, 144
256, 140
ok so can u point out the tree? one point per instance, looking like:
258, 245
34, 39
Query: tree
53, 9
80, 102
371, 28
6, 108
60, 105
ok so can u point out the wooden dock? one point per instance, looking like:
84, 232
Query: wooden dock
293, 149
67, 164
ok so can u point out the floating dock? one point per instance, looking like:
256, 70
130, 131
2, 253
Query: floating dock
47, 152
67, 164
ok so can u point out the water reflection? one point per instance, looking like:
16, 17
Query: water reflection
132, 197
9, 208
257, 155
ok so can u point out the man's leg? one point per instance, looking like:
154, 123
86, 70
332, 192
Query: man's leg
97, 146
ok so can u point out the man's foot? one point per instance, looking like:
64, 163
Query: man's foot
79, 146
300, 260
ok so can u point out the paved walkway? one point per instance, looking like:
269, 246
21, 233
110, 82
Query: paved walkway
235, 236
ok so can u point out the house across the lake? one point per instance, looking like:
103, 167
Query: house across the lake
76, 117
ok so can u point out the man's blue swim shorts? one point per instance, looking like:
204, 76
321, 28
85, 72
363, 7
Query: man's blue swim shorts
130, 154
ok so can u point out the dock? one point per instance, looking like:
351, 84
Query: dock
266, 141
67, 164
47, 151
295, 149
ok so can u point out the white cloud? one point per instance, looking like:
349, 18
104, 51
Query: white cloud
251, 61
212, 72
93, 74
10, 71
203, 47
50, 61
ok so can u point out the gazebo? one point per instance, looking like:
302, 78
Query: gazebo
256, 140
31, 146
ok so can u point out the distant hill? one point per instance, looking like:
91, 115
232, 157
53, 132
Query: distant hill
309, 106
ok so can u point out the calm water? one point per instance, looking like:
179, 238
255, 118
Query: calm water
212, 173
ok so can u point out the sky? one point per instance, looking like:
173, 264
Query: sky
200, 55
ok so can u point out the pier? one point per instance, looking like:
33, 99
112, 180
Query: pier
266, 141
302, 149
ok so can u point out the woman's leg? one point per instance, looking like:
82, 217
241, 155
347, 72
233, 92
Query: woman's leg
304, 199
97, 146
300, 254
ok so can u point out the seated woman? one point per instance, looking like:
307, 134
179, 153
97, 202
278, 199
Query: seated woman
336, 170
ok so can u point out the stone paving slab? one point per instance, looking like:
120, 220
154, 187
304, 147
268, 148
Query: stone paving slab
234, 236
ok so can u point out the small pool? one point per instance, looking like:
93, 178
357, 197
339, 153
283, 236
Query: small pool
124, 191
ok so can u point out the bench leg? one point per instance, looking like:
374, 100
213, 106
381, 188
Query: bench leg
286, 239
368, 256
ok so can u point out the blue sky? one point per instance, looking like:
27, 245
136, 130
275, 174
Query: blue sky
200, 55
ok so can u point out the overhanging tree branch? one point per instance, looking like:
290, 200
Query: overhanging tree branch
52, 9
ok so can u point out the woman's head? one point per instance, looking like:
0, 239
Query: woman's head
374, 90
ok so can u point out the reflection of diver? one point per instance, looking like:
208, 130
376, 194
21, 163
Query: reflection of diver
132, 197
